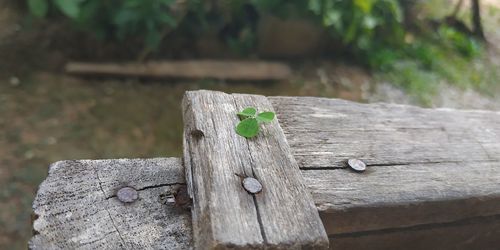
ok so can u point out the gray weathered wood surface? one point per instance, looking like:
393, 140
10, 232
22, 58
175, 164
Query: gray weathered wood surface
90, 230
432, 181
283, 215
77, 208
424, 165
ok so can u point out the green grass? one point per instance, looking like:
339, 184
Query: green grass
442, 56
417, 82
447, 66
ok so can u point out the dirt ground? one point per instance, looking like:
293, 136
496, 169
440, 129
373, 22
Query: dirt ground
46, 116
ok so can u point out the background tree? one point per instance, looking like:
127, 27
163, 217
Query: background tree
476, 19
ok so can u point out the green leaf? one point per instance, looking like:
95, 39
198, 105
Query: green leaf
248, 112
125, 16
153, 39
351, 31
38, 8
369, 22
315, 6
364, 5
168, 19
265, 117
333, 18
70, 8
167, 2
248, 128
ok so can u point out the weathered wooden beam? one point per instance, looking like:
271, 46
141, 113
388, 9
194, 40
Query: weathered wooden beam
225, 216
475, 233
77, 206
323, 133
75, 226
425, 166
433, 179
229, 70
404, 195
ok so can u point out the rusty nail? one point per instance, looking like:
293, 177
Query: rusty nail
356, 165
127, 194
252, 185
197, 134
181, 197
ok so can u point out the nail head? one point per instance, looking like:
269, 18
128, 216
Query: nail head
356, 165
252, 185
127, 195
197, 134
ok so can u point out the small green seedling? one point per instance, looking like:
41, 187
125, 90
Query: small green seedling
250, 120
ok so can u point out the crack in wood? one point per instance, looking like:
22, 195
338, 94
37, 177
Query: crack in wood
313, 168
73, 213
252, 163
152, 187
107, 207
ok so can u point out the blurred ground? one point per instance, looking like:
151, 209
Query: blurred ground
46, 116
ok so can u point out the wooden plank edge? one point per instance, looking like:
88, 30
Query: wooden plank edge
229, 70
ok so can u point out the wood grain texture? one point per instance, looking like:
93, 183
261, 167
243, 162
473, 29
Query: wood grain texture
475, 233
432, 181
282, 216
230, 70
77, 208
325, 132
404, 195
424, 165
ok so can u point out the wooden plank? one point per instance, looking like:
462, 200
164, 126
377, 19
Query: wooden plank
424, 166
77, 207
230, 70
325, 132
476, 233
61, 228
283, 215
404, 195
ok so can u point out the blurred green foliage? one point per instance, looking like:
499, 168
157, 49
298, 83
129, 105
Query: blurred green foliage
361, 25
466, 45
369, 31
428, 59
113, 18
